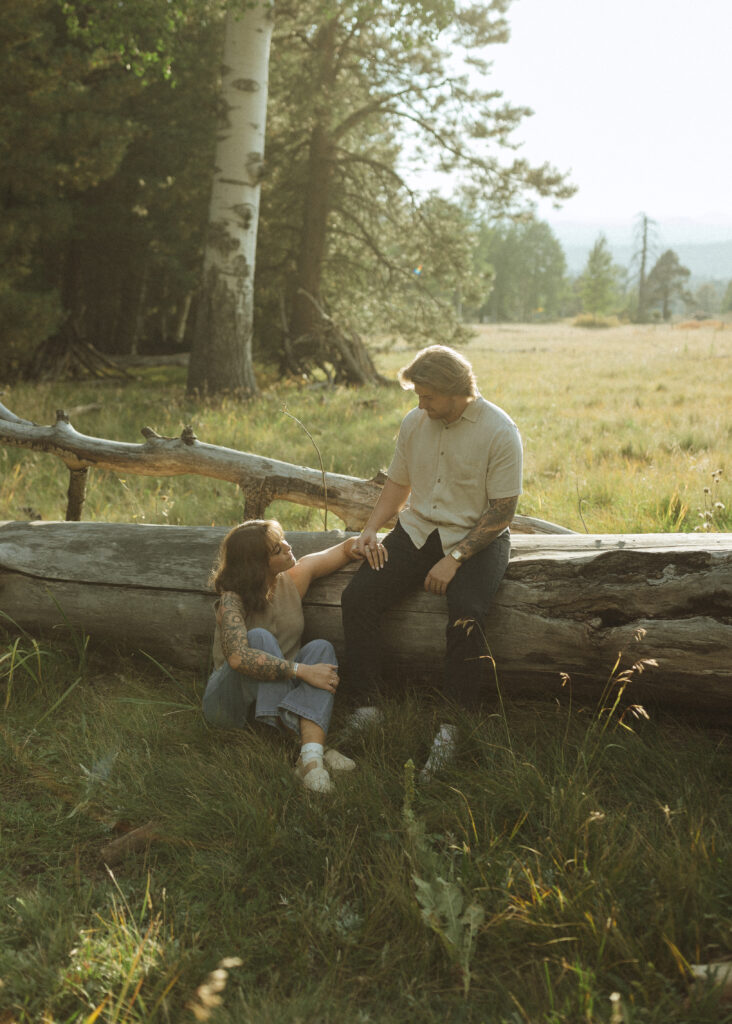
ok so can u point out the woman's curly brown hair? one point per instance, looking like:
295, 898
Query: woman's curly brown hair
243, 562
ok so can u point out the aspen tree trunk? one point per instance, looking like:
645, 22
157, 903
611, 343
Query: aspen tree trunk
221, 357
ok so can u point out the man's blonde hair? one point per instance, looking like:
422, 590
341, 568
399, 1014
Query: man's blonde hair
441, 368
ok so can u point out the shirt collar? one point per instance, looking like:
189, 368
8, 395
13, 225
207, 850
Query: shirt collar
470, 413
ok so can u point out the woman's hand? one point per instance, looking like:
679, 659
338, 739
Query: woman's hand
352, 550
322, 676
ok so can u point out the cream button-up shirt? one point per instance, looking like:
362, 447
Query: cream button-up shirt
453, 469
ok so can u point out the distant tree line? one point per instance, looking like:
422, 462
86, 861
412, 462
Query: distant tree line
108, 130
642, 295
522, 276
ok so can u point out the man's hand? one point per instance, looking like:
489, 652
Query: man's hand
370, 547
440, 575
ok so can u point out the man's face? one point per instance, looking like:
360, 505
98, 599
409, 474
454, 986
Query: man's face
439, 406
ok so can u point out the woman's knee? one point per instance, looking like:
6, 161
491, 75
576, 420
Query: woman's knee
317, 652
262, 640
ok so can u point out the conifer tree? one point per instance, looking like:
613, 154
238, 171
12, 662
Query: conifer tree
371, 87
599, 279
667, 280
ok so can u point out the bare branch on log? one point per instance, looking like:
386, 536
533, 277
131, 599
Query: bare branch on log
261, 479
257, 496
6, 414
76, 494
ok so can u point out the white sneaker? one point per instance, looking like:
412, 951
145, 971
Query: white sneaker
338, 762
313, 775
365, 716
444, 747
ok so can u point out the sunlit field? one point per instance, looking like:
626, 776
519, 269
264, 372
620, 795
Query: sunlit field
622, 428
569, 867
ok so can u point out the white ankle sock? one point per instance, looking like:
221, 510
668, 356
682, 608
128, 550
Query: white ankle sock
311, 752
443, 747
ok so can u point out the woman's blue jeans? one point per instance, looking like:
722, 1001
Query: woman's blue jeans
230, 696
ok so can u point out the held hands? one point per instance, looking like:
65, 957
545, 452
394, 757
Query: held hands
369, 546
323, 677
352, 550
440, 575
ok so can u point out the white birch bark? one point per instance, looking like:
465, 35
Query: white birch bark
221, 359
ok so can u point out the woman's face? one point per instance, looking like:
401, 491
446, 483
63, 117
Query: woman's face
281, 557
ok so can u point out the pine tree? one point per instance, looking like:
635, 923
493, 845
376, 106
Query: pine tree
103, 133
666, 281
359, 78
529, 271
599, 279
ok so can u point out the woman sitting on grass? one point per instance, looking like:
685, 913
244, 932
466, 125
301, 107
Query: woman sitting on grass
259, 660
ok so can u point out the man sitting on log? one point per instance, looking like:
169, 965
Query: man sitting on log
458, 460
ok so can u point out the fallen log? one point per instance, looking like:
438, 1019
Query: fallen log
569, 604
262, 480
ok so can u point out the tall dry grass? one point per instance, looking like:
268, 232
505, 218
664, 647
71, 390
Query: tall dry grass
561, 860
623, 430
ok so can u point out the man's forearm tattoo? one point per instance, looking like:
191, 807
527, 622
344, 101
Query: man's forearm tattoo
494, 520
257, 664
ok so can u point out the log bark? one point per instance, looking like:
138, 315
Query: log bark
262, 480
569, 604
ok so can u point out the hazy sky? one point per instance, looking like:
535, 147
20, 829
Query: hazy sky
633, 97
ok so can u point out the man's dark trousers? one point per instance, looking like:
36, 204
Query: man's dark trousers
469, 595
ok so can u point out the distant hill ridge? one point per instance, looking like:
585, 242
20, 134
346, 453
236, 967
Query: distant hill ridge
708, 261
706, 249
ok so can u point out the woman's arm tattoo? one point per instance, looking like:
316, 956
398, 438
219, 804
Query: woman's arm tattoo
238, 653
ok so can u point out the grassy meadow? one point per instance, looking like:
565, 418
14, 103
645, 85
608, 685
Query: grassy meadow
567, 869
622, 430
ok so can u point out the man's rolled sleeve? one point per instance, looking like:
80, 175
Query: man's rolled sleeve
398, 470
505, 470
